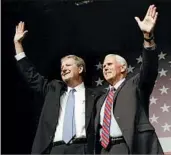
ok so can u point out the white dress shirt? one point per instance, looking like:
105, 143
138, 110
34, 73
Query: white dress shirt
79, 109
79, 113
114, 127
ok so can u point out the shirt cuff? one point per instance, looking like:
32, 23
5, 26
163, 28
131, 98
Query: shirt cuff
151, 48
20, 56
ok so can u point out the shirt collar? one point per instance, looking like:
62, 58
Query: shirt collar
77, 88
116, 86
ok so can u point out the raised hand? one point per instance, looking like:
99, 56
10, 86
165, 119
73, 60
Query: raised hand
148, 23
19, 33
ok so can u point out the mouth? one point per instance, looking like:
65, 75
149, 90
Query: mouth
64, 74
107, 73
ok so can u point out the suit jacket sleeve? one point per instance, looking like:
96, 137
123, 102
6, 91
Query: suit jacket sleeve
148, 73
35, 81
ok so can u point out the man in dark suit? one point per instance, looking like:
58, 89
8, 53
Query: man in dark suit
66, 124
122, 125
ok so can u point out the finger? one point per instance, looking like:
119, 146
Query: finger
19, 26
149, 8
21, 23
25, 32
22, 26
138, 20
153, 12
16, 29
155, 17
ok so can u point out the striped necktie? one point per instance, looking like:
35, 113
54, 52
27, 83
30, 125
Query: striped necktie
105, 133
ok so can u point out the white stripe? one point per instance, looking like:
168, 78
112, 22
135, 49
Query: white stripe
166, 144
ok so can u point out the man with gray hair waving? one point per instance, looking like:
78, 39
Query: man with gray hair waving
122, 125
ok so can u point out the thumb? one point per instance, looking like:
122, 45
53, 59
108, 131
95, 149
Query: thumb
137, 19
25, 32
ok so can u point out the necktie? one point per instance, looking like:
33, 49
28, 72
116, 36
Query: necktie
107, 119
69, 129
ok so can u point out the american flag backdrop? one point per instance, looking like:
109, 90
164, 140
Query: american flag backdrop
160, 99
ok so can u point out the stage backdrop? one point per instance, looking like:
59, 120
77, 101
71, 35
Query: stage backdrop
90, 30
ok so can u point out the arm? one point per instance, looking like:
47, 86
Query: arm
36, 82
149, 68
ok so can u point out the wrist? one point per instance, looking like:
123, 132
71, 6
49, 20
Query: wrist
17, 43
18, 47
148, 35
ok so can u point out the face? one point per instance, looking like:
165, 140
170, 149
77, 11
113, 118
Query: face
69, 70
111, 69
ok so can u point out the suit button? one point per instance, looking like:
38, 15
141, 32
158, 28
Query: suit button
117, 117
50, 137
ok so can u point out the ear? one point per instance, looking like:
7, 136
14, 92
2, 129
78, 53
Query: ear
80, 69
123, 68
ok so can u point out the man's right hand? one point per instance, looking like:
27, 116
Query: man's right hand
19, 33
19, 36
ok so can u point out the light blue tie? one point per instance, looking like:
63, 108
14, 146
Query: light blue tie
69, 129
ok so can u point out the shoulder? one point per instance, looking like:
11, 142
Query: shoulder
55, 84
96, 91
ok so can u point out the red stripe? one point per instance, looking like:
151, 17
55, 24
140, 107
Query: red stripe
111, 93
110, 100
108, 106
107, 124
107, 115
106, 121
106, 138
103, 144
105, 130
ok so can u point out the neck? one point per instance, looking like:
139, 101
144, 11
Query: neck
113, 82
74, 83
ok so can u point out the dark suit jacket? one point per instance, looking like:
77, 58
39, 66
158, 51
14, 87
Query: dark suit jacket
51, 92
131, 108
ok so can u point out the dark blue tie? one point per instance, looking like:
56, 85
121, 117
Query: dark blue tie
69, 129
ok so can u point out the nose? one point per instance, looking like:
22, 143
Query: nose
63, 69
106, 68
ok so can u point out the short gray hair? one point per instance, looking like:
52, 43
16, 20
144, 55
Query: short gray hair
119, 59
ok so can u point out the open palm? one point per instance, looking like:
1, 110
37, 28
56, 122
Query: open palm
20, 33
149, 21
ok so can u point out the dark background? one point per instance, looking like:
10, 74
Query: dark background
57, 28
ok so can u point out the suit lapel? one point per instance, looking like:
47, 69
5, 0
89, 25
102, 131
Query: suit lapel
89, 104
98, 108
117, 91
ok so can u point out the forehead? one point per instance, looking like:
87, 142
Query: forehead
68, 60
109, 59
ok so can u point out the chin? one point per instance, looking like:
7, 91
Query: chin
66, 80
109, 79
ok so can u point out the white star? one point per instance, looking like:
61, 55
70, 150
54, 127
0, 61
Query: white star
99, 66
166, 127
170, 63
162, 55
154, 118
165, 108
130, 69
139, 59
163, 72
99, 82
155, 83
163, 90
153, 100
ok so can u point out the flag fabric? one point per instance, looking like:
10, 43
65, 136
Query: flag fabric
160, 99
